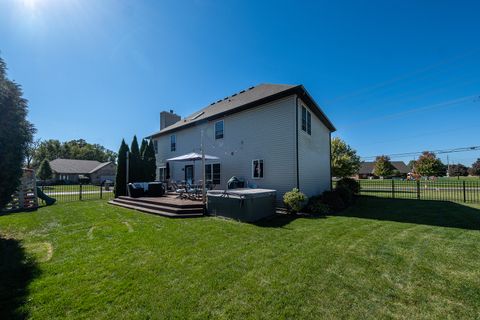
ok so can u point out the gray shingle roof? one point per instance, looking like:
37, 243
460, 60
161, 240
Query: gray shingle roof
71, 166
245, 99
367, 167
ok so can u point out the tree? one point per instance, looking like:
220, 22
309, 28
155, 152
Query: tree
143, 161
411, 165
121, 177
149, 162
44, 171
30, 152
74, 149
15, 134
429, 165
475, 169
135, 168
383, 166
345, 162
457, 170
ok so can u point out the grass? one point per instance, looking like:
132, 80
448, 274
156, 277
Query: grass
383, 258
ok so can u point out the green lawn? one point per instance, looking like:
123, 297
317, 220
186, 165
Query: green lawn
383, 258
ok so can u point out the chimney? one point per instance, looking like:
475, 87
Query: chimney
168, 118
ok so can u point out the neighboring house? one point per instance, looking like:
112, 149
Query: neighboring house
367, 168
69, 170
271, 136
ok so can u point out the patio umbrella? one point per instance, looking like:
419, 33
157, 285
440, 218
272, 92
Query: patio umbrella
192, 157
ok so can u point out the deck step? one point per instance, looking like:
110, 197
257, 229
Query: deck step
161, 206
155, 211
168, 202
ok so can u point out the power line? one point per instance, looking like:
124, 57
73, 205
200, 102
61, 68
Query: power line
417, 153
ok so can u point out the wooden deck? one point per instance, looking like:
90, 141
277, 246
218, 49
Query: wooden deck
168, 206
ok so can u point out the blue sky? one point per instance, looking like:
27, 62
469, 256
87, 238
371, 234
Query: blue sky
393, 76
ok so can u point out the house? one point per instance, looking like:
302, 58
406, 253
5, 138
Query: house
271, 136
367, 168
69, 170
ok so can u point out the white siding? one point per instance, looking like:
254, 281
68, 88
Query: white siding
266, 132
313, 155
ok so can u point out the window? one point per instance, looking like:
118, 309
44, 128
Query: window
212, 173
306, 121
162, 174
173, 142
219, 129
257, 168
155, 146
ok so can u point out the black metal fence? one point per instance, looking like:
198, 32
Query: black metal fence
443, 190
78, 192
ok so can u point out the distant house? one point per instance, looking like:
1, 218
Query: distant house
69, 170
270, 136
366, 169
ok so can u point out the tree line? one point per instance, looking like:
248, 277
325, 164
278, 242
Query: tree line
141, 164
346, 163
78, 149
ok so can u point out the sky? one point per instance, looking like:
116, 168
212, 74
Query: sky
393, 76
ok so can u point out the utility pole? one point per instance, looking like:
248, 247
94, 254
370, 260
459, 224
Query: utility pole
448, 166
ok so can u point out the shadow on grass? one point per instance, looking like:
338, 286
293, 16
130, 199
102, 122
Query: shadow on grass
427, 212
282, 220
16, 272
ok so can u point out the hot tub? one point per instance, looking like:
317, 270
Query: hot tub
242, 204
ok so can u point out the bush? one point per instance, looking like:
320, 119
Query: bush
350, 184
346, 195
333, 200
294, 200
316, 206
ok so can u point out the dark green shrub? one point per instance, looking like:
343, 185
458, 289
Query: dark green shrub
333, 200
316, 206
350, 184
346, 194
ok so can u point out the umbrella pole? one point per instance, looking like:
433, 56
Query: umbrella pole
203, 172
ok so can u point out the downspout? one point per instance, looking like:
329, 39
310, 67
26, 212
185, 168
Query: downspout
296, 140
330, 147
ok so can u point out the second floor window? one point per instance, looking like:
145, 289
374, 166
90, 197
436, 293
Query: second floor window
219, 129
155, 146
173, 142
306, 121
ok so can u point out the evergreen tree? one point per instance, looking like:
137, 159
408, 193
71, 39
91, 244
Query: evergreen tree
15, 135
143, 161
149, 162
44, 172
383, 166
135, 170
121, 177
